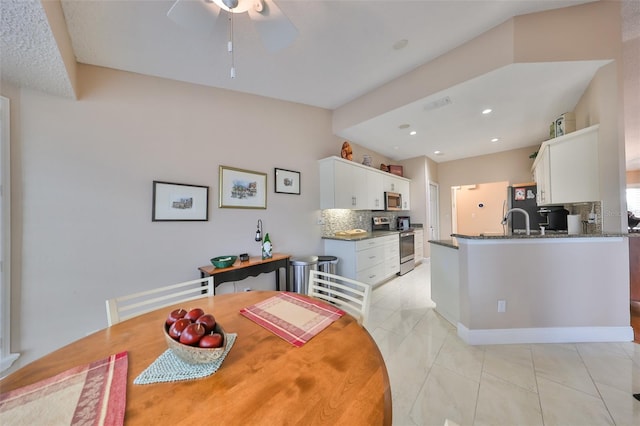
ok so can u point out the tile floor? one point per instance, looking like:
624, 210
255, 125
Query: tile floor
436, 377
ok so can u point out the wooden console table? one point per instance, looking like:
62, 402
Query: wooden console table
251, 268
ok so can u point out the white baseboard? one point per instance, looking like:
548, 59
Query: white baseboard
545, 335
7, 361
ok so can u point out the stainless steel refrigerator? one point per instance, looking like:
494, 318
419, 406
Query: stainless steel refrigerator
524, 197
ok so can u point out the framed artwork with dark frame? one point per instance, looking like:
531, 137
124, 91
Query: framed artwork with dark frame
179, 202
242, 189
287, 181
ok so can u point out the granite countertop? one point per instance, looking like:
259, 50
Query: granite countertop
359, 237
537, 235
446, 243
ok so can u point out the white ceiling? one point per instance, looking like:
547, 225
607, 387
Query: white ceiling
344, 50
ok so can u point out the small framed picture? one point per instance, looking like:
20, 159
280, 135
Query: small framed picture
287, 181
179, 202
519, 194
242, 189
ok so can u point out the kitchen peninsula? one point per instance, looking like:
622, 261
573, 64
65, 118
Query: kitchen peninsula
499, 289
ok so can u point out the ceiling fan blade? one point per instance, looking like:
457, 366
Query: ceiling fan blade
274, 27
196, 15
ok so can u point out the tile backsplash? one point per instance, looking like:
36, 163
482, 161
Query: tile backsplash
583, 209
341, 220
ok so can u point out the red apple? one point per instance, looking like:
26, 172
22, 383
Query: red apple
176, 329
211, 341
194, 314
176, 315
209, 322
191, 334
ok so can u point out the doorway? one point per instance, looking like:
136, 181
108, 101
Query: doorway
478, 209
434, 211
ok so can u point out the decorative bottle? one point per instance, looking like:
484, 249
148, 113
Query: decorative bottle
266, 247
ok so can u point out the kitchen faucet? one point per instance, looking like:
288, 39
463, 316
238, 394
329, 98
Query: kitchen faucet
526, 217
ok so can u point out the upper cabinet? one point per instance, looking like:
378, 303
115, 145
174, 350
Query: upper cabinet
393, 183
348, 185
566, 168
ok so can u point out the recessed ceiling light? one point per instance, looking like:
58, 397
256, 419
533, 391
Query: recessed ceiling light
404, 126
396, 147
495, 140
437, 152
487, 111
400, 44
413, 133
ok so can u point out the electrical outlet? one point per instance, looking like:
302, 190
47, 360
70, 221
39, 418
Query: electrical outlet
502, 306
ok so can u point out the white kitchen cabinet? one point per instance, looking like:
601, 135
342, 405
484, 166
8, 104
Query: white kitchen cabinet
400, 185
352, 193
541, 177
375, 195
566, 168
419, 245
405, 192
370, 261
348, 185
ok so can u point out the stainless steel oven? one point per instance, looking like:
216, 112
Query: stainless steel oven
407, 251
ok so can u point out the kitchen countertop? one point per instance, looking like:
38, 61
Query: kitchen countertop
358, 237
446, 243
537, 235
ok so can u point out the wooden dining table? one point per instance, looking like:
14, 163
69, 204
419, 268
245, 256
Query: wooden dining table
337, 378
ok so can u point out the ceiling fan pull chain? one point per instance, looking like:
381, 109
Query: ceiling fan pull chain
230, 46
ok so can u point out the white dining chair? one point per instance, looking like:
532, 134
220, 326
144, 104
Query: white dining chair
349, 295
125, 307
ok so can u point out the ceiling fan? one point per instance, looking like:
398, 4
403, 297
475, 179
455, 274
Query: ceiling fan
275, 29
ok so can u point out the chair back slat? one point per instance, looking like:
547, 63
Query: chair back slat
125, 307
347, 294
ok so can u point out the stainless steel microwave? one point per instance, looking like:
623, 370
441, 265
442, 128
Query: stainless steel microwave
392, 201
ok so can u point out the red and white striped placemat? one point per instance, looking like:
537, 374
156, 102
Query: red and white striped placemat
92, 394
292, 317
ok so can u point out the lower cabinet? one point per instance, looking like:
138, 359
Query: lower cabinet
370, 261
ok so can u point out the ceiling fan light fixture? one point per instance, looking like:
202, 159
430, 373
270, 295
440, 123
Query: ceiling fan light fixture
233, 6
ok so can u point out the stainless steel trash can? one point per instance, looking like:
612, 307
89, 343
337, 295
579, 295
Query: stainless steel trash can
328, 264
300, 267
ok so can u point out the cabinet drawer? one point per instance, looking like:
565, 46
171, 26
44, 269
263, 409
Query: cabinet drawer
369, 243
370, 257
371, 276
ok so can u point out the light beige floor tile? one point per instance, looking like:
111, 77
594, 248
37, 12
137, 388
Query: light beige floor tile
423, 396
445, 395
563, 405
461, 358
562, 364
387, 341
633, 350
432, 323
402, 418
624, 408
503, 403
613, 369
403, 321
377, 316
409, 365
515, 365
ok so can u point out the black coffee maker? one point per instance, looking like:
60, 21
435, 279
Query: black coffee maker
555, 218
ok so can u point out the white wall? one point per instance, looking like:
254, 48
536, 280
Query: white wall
82, 191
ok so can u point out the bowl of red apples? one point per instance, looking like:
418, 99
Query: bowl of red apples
194, 336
